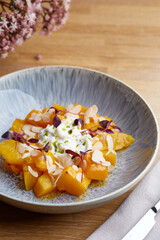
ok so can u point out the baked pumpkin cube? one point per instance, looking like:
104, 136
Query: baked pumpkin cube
96, 171
30, 177
40, 118
110, 157
70, 181
121, 140
43, 185
13, 168
29, 180
18, 125
9, 151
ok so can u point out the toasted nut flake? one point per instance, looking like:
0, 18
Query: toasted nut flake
97, 146
46, 117
79, 176
57, 172
110, 142
27, 130
34, 152
73, 109
33, 115
21, 148
84, 164
50, 166
34, 173
91, 113
25, 155
36, 129
98, 158
38, 117
75, 167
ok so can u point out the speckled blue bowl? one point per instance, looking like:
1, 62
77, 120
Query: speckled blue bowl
42, 86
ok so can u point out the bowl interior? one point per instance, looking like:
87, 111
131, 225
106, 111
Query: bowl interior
41, 87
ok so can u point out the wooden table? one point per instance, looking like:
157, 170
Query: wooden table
119, 37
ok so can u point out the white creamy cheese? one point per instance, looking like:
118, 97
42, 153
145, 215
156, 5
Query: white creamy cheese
66, 136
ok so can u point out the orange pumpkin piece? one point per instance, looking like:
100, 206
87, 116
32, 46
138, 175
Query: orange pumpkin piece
43, 186
40, 161
121, 140
96, 171
12, 168
70, 181
59, 107
29, 179
110, 157
18, 125
9, 151
40, 118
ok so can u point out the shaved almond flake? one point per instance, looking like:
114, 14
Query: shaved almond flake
57, 179
98, 158
91, 113
21, 148
84, 164
26, 128
46, 117
25, 155
57, 172
50, 166
37, 117
110, 145
34, 173
75, 167
34, 152
79, 176
97, 146
103, 137
33, 115
53, 180
73, 109
36, 129
110, 142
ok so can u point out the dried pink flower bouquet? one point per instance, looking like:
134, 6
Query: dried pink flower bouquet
19, 20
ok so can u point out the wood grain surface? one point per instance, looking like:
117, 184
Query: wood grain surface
118, 37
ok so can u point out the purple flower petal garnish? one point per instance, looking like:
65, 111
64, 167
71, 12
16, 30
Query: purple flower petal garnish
79, 120
33, 140
109, 131
74, 154
56, 121
105, 123
7, 135
46, 147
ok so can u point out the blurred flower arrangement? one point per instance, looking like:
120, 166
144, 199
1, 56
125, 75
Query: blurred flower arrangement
19, 20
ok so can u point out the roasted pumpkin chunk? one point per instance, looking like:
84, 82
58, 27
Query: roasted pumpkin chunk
96, 171
110, 157
121, 140
70, 181
29, 180
9, 151
18, 125
43, 185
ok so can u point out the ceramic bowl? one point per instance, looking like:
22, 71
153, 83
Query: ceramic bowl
41, 87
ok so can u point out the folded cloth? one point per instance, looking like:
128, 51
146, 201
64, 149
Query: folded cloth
144, 196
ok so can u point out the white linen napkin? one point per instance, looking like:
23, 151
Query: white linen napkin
143, 197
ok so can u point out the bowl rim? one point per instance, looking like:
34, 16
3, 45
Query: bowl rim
114, 194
